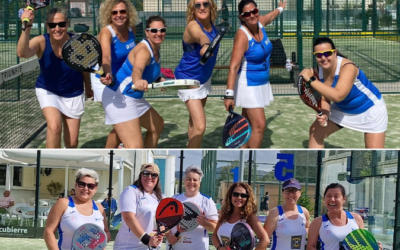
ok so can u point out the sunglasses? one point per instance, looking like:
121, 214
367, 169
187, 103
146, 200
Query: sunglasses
82, 184
242, 195
324, 53
147, 174
288, 191
205, 5
60, 24
154, 30
115, 12
248, 13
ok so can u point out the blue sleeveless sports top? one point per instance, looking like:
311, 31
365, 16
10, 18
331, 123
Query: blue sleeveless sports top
189, 67
55, 75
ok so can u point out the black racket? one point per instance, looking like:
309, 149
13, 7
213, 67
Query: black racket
242, 237
310, 96
237, 130
89, 237
212, 46
35, 5
82, 52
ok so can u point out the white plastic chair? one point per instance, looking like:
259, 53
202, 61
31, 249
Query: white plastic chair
43, 212
4, 214
16, 210
27, 214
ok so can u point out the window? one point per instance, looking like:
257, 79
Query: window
16, 173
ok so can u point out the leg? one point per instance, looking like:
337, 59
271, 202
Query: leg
374, 140
256, 117
71, 131
319, 133
197, 122
130, 133
54, 127
112, 140
154, 125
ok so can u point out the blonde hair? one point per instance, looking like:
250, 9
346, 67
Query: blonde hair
190, 16
108, 5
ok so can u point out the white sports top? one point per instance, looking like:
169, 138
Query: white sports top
71, 220
331, 236
289, 234
224, 232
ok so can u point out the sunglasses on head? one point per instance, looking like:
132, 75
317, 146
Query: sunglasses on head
115, 12
242, 195
147, 174
60, 24
198, 5
82, 184
154, 30
248, 13
324, 53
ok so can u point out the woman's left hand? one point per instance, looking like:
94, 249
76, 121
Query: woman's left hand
201, 219
307, 74
282, 4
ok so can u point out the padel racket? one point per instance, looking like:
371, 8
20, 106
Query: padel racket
212, 46
188, 221
237, 130
168, 214
359, 239
310, 96
89, 237
82, 52
242, 237
174, 84
35, 5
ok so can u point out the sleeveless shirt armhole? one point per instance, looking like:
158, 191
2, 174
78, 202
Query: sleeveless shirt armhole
349, 63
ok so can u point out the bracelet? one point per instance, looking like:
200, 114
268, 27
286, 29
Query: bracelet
280, 9
27, 26
145, 239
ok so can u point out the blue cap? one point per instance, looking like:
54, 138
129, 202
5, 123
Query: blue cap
291, 183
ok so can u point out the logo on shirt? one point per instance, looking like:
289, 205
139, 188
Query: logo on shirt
130, 46
251, 44
267, 41
296, 242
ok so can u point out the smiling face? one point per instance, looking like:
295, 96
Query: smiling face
239, 201
85, 188
149, 180
159, 36
119, 14
57, 26
334, 200
327, 61
250, 14
192, 183
291, 195
202, 9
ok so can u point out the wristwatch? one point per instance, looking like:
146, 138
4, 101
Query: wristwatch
313, 78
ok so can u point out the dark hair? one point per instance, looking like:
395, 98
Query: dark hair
242, 4
54, 11
154, 19
156, 189
321, 40
335, 185
266, 193
73, 189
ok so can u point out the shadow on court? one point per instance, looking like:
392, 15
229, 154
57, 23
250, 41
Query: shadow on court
326, 144
267, 140
95, 143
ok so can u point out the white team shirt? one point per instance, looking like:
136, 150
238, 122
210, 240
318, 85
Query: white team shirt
224, 232
289, 234
198, 238
144, 206
331, 236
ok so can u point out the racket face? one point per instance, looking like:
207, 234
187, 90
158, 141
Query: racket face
236, 132
37, 4
242, 237
82, 52
308, 95
360, 239
212, 46
89, 237
177, 84
189, 221
168, 214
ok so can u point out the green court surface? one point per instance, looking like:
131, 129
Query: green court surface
288, 121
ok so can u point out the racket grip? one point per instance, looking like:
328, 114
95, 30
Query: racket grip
326, 123
177, 234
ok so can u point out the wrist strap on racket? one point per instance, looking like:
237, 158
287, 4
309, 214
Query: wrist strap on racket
145, 239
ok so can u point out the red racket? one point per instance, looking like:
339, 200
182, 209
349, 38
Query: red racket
168, 214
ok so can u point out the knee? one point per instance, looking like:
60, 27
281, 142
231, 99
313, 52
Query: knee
157, 126
54, 128
199, 128
258, 127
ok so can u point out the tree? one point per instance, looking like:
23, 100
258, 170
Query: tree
305, 201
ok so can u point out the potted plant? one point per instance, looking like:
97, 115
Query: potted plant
54, 188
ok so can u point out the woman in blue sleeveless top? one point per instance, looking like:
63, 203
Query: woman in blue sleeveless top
199, 31
117, 39
59, 88
125, 108
349, 99
248, 77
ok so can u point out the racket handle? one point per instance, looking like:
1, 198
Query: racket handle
326, 123
177, 234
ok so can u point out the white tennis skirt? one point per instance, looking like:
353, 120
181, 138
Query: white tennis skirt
253, 96
197, 93
121, 108
374, 120
72, 107
97, 87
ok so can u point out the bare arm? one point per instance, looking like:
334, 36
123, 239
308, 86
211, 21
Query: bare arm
307, 214
270, 223
209, 225
359, 220
27, 48
313, 234
268, 18
194, 34
262, 236
105, 39
140, 60
103, 212
53, 220
88, 85
215, 239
